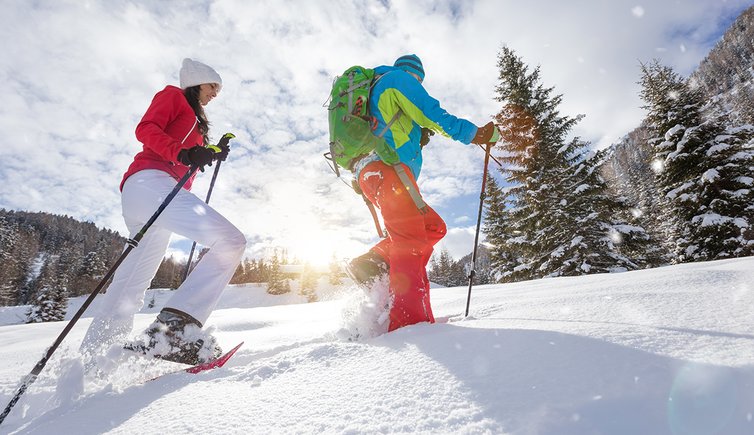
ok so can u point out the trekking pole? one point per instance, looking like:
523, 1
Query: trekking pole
206, 201
370, 206
492, 157
132, 243
478, 223
223, 141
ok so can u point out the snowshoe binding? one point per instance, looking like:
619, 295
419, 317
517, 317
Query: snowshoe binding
176, 336
366, 269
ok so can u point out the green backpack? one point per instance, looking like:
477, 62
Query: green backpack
352, 133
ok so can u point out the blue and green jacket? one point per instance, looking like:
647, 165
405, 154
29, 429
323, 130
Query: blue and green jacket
398, 90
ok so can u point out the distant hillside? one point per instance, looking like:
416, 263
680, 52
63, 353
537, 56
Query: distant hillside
38, 247
726, 75
448, 273
726, 78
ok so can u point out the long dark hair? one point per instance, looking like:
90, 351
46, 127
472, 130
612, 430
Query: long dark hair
192, 95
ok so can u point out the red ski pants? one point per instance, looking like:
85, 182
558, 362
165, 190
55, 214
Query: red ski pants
409, 244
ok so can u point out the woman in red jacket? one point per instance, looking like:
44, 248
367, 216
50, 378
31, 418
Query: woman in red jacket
174, 133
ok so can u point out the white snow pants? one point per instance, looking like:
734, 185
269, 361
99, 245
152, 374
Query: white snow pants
187, 215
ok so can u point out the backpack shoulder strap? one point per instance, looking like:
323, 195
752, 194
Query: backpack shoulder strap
391, 122
413, 193
397, 114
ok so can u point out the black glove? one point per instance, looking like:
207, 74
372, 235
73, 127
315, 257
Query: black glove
197, 155
426, 134
222, 148
221, 151
487, 134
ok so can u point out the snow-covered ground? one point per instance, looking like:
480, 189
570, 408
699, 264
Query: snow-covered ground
662, 351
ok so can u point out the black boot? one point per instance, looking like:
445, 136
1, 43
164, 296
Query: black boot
178, 337
364, 270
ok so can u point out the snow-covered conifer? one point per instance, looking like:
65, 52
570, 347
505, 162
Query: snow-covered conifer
50, 300
703, 171
561, 220
308, 286
276, 282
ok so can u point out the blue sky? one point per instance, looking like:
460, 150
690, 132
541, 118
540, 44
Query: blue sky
80, 75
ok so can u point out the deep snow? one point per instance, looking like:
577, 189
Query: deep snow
662, 351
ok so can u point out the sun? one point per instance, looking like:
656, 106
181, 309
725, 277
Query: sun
321, 248
315, 251
310, 233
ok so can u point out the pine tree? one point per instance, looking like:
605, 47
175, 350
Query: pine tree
10, 267
632, 181
68, 262
673, 118
335, 272
434, 265
446, 265
251, 271
441, 270
724, 225
92, 266
459, 273
532, 133
559, 213
603, 239
276, 282
309, 283
250, 266
88, 273
703, 170
50, 302
261, 271
169, 275
498, 232
239, 275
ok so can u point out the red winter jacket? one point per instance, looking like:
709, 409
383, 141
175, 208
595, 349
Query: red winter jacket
168, 126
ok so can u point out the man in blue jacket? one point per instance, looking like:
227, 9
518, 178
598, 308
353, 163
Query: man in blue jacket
403, 108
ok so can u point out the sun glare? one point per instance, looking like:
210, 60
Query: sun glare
308, 237
320, 248
318, 253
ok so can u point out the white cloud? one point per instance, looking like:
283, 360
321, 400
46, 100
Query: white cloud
459, 241
79, 76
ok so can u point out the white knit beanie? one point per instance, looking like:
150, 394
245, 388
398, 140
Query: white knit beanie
194, 73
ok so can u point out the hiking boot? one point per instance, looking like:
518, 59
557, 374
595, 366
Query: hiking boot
366, 269
176, 336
